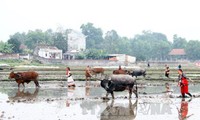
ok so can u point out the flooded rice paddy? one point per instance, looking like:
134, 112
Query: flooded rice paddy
54, 101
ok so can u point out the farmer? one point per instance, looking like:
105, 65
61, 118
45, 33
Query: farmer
167, 71
120, 68
148, 64
70, 80
183, 83
179, 66
88, 73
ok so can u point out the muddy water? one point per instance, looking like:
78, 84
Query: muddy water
54, 101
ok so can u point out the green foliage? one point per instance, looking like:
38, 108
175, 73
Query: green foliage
95, 54
150, 45
21, 37
35, 38
124, 46
91, 54
179, 42
151, 36
16, 45
94, 36
60, 41
5, 47
192, 50
146, 46
80, 55
111, 42
38, 37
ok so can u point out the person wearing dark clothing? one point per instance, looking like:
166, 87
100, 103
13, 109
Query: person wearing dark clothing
179, 66
148, 64
120, 68
167, 70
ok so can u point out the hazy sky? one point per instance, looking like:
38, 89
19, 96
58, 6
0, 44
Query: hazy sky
127, 17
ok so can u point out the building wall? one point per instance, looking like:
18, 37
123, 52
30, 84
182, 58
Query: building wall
123, 58
49, 53
76, 41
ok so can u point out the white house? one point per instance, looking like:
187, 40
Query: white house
50, 52
24, 56
122, 58
76, 41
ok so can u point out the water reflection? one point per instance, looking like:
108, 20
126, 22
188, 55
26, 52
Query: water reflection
160, 106
70, 91
89, 107
183, 112
52, 101
70, 94
25, 95
120, 112
87, 91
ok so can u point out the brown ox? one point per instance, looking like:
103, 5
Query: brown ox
93, 71
120, 72
96, 71
25, 77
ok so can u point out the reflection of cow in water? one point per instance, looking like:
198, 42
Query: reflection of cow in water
25, 95
120, 112
25, 77
89, 106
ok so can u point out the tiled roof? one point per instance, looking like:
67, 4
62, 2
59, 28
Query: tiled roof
177, 52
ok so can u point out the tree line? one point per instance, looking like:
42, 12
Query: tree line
145, 46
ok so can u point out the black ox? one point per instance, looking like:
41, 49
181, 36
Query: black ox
138, 72
119, 83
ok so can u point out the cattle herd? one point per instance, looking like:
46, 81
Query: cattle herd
120, 80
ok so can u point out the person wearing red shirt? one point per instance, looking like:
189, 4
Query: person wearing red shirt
183, 83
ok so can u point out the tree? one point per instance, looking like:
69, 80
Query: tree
15, 45
150, 45
93, 35
192, 50
151, 36
111, 42
48, 37
5, 47
60, 41
95, 54
179, 42
37, 37
21, 37
124, 45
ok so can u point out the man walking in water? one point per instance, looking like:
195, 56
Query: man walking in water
88, 73
167, 70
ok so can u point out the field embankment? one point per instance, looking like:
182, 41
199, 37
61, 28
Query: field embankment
58, 72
